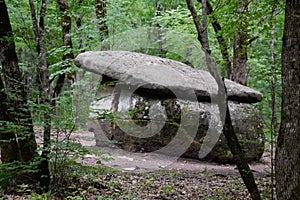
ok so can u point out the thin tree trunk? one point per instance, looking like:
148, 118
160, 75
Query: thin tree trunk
228, 130
17, 108
67, 42
44, 89
274, 125
162, 52
101, 17
222, 42
78, 30
287, 167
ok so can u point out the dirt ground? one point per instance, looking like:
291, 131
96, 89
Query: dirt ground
140, 162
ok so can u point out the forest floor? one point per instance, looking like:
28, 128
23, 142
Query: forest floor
122, 160
116, 174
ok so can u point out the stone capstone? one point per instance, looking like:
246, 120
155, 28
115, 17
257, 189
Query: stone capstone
158, 99
158, 76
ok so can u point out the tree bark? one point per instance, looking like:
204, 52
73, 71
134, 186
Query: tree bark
287, 167
44, 89
78, 30
222, 42
161, 51
67, 42
240, 57
237, 70
228, 130
101, 17
274, 123
16, 107
8, 144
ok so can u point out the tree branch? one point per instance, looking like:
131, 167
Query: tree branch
222, 43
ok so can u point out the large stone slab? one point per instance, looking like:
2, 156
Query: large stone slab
160, 75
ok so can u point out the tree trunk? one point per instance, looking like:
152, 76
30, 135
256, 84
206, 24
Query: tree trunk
240, 59
8, 144
161, 51
274, 123
67, 42
239, 70
221, 40
78, 30
222, 103
44, 89
101, 17
287, 167
17, 109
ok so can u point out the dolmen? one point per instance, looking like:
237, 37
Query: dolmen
152, 104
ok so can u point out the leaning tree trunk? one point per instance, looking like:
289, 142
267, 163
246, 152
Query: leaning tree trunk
236, 70
17, 110
287, 167
228, 129
224, 47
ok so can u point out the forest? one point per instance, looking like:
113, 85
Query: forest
51, 77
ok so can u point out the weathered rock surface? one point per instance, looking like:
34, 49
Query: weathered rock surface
157, 78
160, 75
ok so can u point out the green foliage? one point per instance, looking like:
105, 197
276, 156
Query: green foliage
176, 19
260, 73
35, 196
63, 118
129, 23
17, 173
